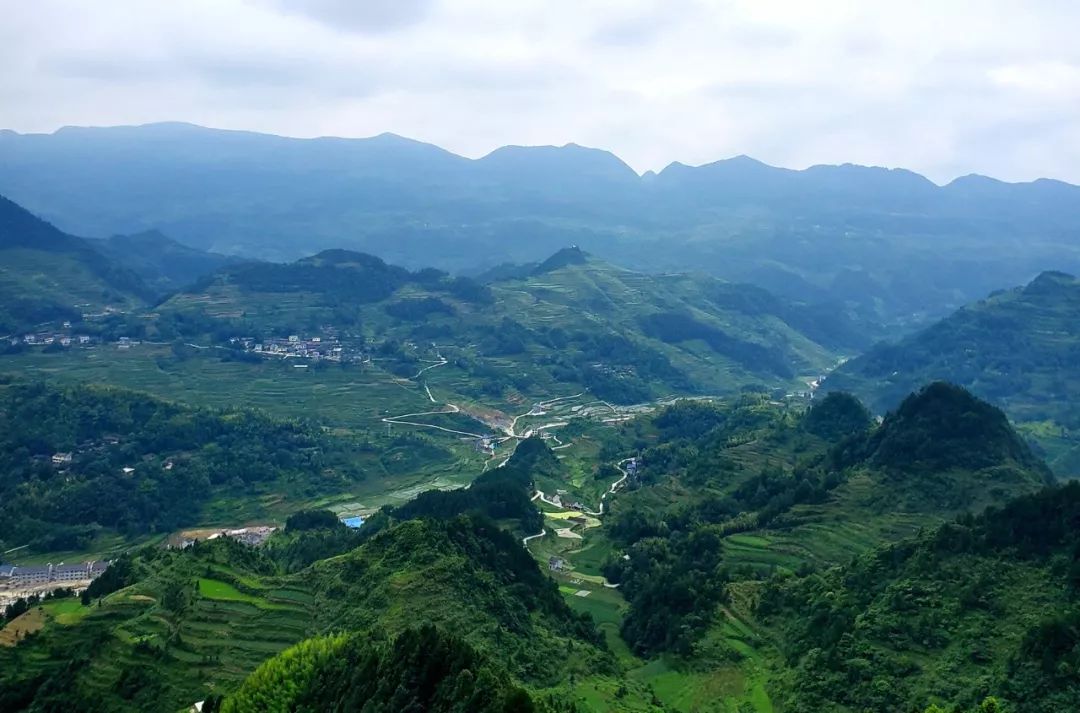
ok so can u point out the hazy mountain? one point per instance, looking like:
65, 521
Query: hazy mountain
888, 244
164, 264
46, 274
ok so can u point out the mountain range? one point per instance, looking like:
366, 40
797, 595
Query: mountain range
886, 243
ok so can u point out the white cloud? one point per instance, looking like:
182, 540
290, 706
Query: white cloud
945, 88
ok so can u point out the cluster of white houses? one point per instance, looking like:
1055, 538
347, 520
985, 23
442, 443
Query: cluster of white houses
17, 577
47, 338
327, 347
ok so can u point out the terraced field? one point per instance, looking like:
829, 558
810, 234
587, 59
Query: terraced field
230, 623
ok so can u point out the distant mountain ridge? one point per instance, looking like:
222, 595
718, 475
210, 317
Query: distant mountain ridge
886, 243
163, 263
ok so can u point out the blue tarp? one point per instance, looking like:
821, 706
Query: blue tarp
353, 522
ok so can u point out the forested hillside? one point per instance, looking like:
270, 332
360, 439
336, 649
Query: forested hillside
627, 337
166, 628
983, 606
163, 264
1017, 348
81, 460
814, 490
786, 558
421, 669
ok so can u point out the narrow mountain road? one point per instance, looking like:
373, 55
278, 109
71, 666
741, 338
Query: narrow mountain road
540, 495
525, 540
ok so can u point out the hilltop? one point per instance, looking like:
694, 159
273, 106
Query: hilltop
879, 242
172, 627
1017, 348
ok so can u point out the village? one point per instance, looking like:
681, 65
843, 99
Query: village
63, 337
297, 347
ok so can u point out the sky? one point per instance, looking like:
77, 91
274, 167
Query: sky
943, 87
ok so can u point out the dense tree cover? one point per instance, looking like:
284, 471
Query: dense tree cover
943, 427
312, 520
1017, 348
138, 463
416, 309
342, 277
500, 493
421, 669
990, 704
673, 585
309, 536
837, 416
673, 573
122, 572
465, 574
985, 605
694, 446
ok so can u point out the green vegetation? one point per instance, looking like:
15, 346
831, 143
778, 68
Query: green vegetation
836, 416
943, 427
1017, 349
465, 575
163, 264
719, 474
730, 556
883, 244
578, 322
762, 572
985, 605
134, 464
501, 494
421, 669
171, 628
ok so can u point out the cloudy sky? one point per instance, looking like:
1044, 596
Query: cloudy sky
945, 87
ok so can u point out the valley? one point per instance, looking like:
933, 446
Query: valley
568, 357
611, 485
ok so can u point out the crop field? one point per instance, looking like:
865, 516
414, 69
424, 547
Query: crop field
346, 398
